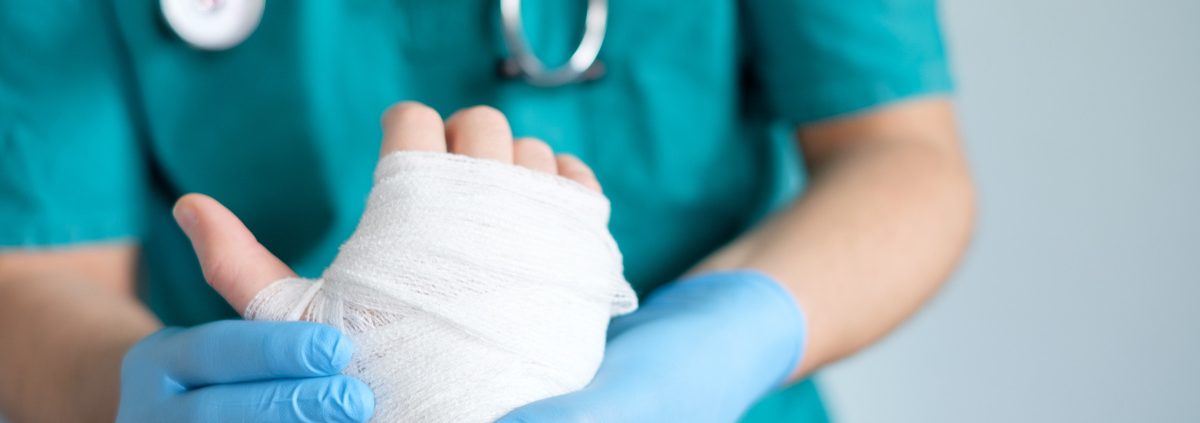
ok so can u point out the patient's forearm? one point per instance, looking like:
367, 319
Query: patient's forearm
880, 228
61, 344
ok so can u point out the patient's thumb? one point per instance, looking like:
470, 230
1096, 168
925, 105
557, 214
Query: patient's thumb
234, 263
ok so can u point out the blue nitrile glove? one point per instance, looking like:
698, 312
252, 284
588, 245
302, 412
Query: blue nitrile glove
242, 371
702, 349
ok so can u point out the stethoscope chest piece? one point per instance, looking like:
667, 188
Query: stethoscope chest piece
213, 24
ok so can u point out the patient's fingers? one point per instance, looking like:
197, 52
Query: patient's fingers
572, 168
480, 132
233, 261
534, 154
412, 126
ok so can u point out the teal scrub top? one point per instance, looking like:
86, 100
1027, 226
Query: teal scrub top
106, 117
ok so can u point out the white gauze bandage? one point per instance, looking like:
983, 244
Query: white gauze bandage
470, 288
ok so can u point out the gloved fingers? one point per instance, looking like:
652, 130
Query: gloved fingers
234, 351
588, 405
326, 399
623, 390
234, 263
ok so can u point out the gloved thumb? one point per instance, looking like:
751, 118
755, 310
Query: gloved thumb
233, 261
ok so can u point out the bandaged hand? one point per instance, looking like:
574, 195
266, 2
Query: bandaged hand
470, 287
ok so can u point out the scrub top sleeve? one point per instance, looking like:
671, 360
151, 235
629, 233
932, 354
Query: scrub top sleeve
71, 167
819, 59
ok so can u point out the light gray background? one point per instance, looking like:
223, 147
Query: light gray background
1080, 298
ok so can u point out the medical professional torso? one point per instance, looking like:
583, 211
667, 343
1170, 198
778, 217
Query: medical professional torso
108, 116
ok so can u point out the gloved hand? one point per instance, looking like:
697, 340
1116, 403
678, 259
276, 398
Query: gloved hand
699, 350
239, 371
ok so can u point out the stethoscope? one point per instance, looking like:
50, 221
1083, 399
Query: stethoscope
216, 25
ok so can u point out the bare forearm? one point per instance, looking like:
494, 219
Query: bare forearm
879, 230
63, 340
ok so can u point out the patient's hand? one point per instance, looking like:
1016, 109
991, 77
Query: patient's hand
471, 286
